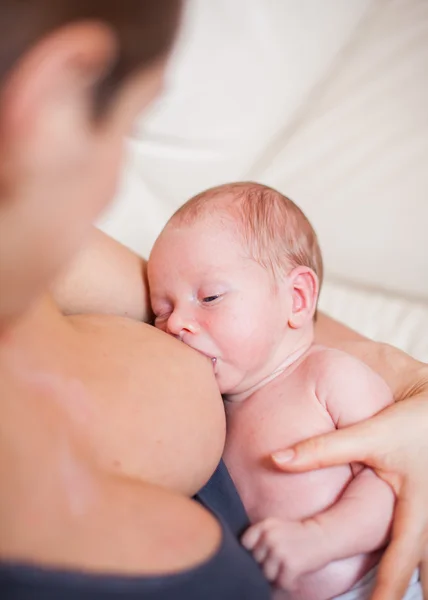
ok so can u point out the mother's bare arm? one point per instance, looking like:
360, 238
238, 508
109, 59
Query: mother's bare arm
406, 376
104, 278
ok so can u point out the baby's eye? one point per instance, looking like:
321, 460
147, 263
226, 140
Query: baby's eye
209, 299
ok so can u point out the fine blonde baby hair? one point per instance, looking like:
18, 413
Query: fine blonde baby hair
274, 230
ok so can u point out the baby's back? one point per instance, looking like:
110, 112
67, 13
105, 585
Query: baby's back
280, 414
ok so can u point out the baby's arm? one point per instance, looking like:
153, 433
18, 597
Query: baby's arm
359, 521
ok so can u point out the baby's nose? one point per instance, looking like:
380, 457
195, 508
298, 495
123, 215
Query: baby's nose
179, 324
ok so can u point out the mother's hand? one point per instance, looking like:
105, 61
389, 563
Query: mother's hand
395, 444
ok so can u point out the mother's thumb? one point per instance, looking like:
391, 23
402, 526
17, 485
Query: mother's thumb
351, 444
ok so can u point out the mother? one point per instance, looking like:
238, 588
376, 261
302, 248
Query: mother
108, 427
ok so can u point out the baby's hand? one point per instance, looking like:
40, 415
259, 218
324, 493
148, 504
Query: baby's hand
286, 550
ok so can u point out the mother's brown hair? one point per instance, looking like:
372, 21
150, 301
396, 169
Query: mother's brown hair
144, 29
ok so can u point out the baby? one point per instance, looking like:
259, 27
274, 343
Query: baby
235, 274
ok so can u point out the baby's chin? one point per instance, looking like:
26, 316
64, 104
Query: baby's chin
224, 386
232, 380
230, 387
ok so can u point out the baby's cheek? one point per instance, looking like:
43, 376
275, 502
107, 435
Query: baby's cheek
242, 339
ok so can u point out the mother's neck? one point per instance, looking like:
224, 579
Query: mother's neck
42, 455
41, 331
35, 365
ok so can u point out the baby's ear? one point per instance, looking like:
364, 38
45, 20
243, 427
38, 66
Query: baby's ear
304, 289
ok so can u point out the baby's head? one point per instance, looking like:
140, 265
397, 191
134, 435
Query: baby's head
235, 274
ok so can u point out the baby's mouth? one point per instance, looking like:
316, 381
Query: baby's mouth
213, 359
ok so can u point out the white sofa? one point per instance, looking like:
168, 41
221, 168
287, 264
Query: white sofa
326, 100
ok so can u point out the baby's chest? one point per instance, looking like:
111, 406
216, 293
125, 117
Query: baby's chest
273, 417
277, 418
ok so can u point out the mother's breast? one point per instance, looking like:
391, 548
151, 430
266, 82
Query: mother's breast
155, 411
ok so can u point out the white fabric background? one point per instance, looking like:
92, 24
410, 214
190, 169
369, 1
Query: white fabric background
325, 100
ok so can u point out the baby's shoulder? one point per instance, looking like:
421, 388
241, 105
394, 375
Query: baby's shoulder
346, 386
333, 370
328, 362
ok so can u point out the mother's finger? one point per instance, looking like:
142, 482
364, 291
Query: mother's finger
357, 443
403, 554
